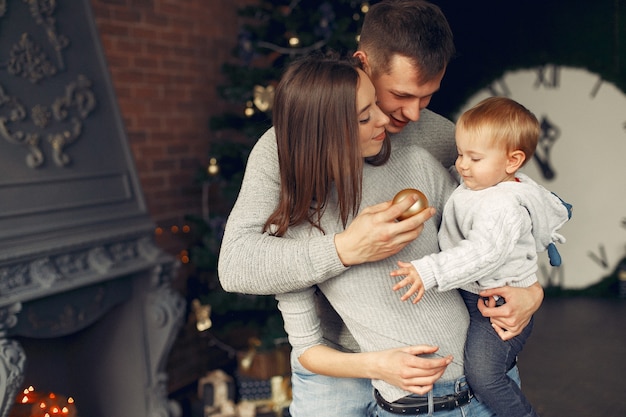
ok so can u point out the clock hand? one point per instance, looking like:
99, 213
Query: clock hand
552, 277
549, 134
544, 166
601, 259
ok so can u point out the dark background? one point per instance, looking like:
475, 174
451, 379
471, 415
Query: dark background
494, 36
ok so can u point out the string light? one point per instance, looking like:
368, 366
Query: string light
294, 41
213, 168
249, 111
50, 405
184, 256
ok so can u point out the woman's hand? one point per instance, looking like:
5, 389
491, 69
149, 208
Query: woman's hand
375, 233
512, 317
402, 367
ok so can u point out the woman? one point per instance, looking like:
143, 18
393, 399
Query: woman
334, 159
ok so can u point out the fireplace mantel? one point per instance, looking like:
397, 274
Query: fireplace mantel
85, 299
120, 285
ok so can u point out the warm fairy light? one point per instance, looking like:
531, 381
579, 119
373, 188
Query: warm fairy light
294, 41
174, 229
213, 167
158, 231
365, 7
46, 405
184, 256
186, 228
249, 111
28, 395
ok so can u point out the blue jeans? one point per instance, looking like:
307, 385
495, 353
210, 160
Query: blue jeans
473, 409
316, 395
487, 360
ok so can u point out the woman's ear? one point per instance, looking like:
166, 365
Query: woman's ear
515, 161
362, 56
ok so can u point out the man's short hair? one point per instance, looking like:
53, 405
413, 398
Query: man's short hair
415, 29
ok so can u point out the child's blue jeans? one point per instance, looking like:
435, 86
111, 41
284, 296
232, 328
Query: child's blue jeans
487, 361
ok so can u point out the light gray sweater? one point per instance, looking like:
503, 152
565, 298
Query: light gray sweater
256, 263
270, 260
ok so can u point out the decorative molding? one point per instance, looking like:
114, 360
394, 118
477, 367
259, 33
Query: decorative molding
17, 113
164, 310
8, 317
80, 98
69, 312
43, 14
76, 265
12, 359
27, 60
12, 364
74, 107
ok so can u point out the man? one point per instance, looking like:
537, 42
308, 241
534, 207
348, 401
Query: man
405, 47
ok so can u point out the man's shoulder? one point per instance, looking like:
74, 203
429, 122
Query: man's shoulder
429, 115
429, 120
430, 126
433, 132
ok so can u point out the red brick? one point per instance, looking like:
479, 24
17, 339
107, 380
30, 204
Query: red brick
164, 57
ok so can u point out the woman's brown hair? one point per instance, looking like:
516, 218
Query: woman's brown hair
317, 134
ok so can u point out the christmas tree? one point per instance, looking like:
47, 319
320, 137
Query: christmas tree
276, 32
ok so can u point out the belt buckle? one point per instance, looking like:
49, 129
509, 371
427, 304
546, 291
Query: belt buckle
450, 403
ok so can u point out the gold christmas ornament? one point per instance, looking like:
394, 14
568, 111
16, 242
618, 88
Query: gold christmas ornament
263, 97
203, 315
419, 205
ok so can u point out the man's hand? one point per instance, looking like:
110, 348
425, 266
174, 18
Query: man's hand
375, 233
404, 368
512, 317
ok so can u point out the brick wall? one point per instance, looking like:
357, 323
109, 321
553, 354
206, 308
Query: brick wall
165, 57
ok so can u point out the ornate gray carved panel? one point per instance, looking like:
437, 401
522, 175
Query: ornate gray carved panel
66, 171
77, 255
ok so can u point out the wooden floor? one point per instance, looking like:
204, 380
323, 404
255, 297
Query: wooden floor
574, 363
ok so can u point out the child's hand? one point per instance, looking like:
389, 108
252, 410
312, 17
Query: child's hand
412, 278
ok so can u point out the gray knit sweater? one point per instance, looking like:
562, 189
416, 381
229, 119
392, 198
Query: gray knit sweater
490, 238
253, 262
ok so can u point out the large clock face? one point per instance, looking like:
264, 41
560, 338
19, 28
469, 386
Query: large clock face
581, 156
